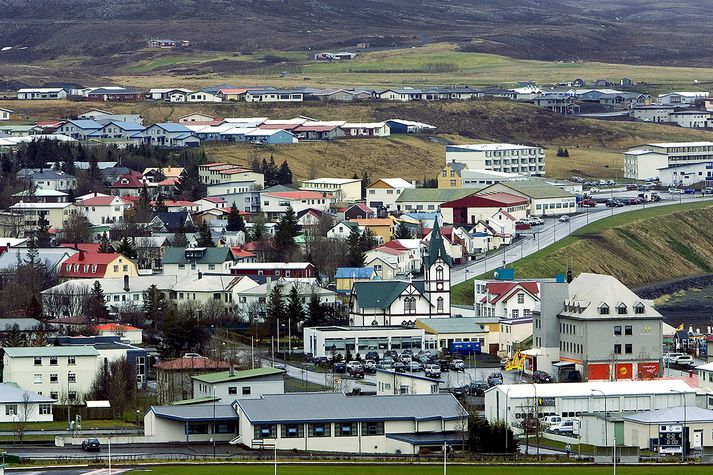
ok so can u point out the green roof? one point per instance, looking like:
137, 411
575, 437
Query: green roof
224, 376
436, 195
31, 352
537, 189
452, 325
211, 255
198, 400
381, 293
436, 248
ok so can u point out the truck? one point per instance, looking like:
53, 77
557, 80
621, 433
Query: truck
465, 347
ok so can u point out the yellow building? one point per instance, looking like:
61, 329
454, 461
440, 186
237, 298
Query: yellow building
450, 176
346, 276
383, 228
97, 265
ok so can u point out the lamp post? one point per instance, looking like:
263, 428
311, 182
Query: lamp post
606, 427
445, 458
683, 429
213, 429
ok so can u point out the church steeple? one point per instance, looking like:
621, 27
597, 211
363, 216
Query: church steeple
436, 248
437, 265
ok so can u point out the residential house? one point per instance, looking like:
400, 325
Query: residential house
5, 113
86, 265
258, 296
382, 228
274, 95
185, 262
366, 129
228, 386
127, 333
474, 208
319, 130
346, 276
202, 289
677, 98
56, 214
52, 180
293, 270
275, 203
513, 335
359, 211
115, 94
400, 126
429, 199
450, 175
172, 221
383, 193
115, 129
270, 136
343, 189
168, 134
103, 209
506, 299
164, 94
130, 184
41, 93
195, 117
105, 116
406, 94
343, 229
24, 406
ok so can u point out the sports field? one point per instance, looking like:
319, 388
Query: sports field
353, 469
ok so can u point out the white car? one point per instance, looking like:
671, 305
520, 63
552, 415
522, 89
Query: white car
685, 360
672, 357
353, 364
675, 191
534, 220
564, 219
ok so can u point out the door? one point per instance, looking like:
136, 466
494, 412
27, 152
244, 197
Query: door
698, 439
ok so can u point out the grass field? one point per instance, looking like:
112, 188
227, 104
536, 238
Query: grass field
637, 247
386, 469
61, 425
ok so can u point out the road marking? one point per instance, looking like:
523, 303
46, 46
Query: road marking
105, 471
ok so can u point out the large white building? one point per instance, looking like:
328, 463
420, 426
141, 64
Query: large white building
227, 386
501, 157
383, 193
686, 174
343, 189
645, 161
323, 341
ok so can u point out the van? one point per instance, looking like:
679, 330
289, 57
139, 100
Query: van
566, 427
551, 420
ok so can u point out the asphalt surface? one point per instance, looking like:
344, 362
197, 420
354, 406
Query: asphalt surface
552, 231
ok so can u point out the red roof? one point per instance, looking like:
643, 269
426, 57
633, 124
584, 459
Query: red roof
98, 201
200, 362
396, 245
299, 195
169, 182
84, 265
241, 252
129, 180
49, 123
234, 90
212, 164
490, 200
110, 327
313, 128
501, 290
289, 126
86, 247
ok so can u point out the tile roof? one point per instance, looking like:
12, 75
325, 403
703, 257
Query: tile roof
225, 376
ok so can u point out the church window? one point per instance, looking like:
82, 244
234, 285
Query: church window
439, 273
439, 305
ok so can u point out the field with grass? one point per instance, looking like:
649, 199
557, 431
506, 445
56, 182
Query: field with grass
637, 247
391, 469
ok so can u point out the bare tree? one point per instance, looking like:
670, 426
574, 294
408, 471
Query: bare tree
130, 313
214, 311
65, 301
23, 416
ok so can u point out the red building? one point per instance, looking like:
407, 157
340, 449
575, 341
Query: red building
295, 270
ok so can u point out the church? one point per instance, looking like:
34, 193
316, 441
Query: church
402, 302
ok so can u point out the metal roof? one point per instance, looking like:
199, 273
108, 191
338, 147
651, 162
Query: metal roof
225, 376
673, 415
381, 293
12, 393
535, 189
196, 413
435, 195
452, 325
31, 352
610, 388
334, 407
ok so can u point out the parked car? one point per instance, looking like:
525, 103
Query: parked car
568, 427
405, 358
370, 366
675, 191
91, 445
432, 370
457, 365
320, 360
393, 354
633, 201
686, 360
372, 355
689, 191
356, 371
477, 387
612, 203
707, 190
570, 376
339, 368
632, 187
672, 357
495, 379
535, 221
399, 367
588, 203
423, 359
459, 391
445, 365
541, 377
564, 219
353, 364
414, 366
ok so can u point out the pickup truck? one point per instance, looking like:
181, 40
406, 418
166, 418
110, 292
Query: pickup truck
588, 203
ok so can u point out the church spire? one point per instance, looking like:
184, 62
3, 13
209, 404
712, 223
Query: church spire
436, 248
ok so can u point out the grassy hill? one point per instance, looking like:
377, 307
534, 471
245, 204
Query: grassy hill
638, 247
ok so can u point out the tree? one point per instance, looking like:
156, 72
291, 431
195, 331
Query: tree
160, 205
402, 231
205, 238
295, 308
484, 437
182, 331
115, 382
258, 231
365, 181
154, 306
566, 153
179, 238
126, 248
235, 221
94, 306
315, 311
43, 237
276, 312
356, 250
77, 229
94, 175
284, 174
368, 240
105, 245
285, 232
25, 408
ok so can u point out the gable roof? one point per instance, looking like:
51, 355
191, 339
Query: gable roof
382, 293
501, 290
534, 189
435, 195
436, 248
354, 273
211, 255
225, 376
12, 393
491, 200
394, 183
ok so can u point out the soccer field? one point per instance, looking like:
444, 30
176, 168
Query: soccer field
386, 469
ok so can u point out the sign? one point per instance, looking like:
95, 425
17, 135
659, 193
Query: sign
670, 438
624, 371
545, 401
648, 370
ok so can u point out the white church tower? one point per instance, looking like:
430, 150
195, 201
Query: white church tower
437, 274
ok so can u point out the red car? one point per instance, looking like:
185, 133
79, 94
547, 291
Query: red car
588, 203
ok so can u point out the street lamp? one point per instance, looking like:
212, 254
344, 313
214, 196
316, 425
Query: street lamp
606, 427
683, 429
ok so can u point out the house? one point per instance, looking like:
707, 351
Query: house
660, 430
275, 203
366, 129
274, 95
86, 265
545, 199
391, 383
174, 378
129, 184
41, 93
115, 129
24, 405
56, 214
384, 192
691, 119
228, 386
164, 94
343, 229
127, 333
202, 289
293, 270
513, 335
105, 116
406, 94
600, 327
382, 228
5, 113
60, 373
116, 94
103, 209
445, 331
334, 422
168, 134
502, 157
270, 136
359, 211
474, 208
52, 180
319, 130
400, 126
195, 117
187, 261
257, 297
172, 221
343, 189
346, 276
450, 175
165, 44
677, 98
219, 173
705, 375
428, 199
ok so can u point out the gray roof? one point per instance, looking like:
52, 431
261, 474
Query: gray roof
50, 257
196, 412
331, 407
12, 393
673, 415
31, 352
452, 325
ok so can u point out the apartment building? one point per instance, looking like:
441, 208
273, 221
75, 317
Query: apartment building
501, 157
643, 162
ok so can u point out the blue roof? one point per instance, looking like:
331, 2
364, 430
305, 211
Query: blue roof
85, 124
174, 127
354, 272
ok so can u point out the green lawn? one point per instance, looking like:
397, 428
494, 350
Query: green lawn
462, 294
353, 469
61, 425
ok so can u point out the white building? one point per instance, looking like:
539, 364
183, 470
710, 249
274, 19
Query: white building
275, 203
693, 119
644, 162
390, 383
686, 174
60, 372
5, 113
678, 98
343, 189
103, 209
480, 178
22, 405
501, 157
513, 332
202, 289
322, 341
258, 295
228, 386
383, 193
506, 299
653, 113
545, 199
334, 422
41, 93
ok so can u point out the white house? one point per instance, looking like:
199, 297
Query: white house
202, 289
228, 386
506, 299
203, 96
678, 98
389, 383
60, 372
22, 405
384, 192
344, 189
275, 203
366, 129
41, 93
513, 332
5, 113
274, 95
258, 295
103, 209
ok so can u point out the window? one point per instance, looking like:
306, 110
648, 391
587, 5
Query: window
627, 330
53, 361
292, 431
520, 298
617, 330
72, 395
211, 266
45, 409
439, 273
372, 428
225, 428
232, 390
319, 430
197, 428
617, 349
639, 309
621, 309
53, 378
71, 377
345, 429
439, 305
54, 395
10, 409
38, 378
604, 309
181, 266
71, 360
516, 313
266, 431
116, 268
246, 390
38, 361
628, 348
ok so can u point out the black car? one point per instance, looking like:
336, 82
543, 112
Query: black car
320, 360
393, 354
399, 367
541, 377
91, 445
459, 391
372, 355
339, 368
495, 379
356, 371
477, 387
445, 365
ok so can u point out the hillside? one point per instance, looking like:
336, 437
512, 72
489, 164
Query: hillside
639, 247
633, 31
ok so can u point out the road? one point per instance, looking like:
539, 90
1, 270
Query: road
553, 231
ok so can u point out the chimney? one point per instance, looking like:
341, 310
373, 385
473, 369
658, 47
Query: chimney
81, 255
569, 274
126, 283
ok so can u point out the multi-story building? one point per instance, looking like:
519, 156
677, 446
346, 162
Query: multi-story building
598, 326
383, 193
276, 203
56, 214
174, 378
103, 209
219, 172
343, 189
501, 157
228, 386
643, 162
506, 298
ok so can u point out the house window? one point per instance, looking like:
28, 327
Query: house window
72, 395
372, 428
617, 349
319, 430
439, 305
520, 298
38, 361
246, 390
232, 390
628, 348
617, 330
38, 378
627, 330
604, 309
197, 428
71, 360
621, 310
45, 409
181, 266
345, 429
53, 361
516, 313
639, 309
211, 266
54, 395
266, 431
116, 268
293, 431
10, 409
71, 377
53, 378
